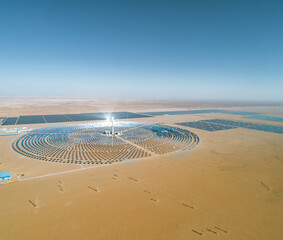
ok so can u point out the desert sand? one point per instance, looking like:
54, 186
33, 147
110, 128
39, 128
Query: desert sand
230, 186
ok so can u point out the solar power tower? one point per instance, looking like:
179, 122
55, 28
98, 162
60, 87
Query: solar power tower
112, 120
113, 133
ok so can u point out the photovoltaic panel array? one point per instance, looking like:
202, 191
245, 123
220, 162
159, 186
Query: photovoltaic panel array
199, 112
124, 115
207, 126
10, 121
1, 120
267, 118
104, 115
56, 118
220, 124
177, 112
84, 117
33, 119
260, 127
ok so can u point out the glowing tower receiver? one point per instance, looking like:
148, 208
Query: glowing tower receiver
112, 120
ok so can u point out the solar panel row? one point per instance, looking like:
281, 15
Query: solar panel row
199, 112
84, 117
10, 121
220, 124
1, 120
37, 119
56, 118
267, 118
260, 127
104, 115
207, 126
34, 119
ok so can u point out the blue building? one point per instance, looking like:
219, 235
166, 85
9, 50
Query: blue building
5, 176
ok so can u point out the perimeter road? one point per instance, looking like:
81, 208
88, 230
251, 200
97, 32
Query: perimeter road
70, 171
58, 173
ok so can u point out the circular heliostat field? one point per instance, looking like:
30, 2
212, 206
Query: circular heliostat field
95, 144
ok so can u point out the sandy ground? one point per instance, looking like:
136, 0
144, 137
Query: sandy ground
229, 187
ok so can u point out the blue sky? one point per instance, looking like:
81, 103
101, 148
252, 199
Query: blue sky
202, 49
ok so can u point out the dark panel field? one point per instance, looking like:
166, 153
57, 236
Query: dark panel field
260, 127
10, 121
267, 118
123, 115
33, 119
56, 118
238, 113
207, 126
199, 112
85, 116
2, 120
116, 115
231, 123
178, 112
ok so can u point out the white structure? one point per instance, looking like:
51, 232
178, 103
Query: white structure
113, 133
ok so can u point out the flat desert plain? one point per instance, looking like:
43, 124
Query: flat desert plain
230, 186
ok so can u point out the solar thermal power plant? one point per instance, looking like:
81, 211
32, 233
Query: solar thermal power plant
57, 118
141, 120
88, 143
186, 164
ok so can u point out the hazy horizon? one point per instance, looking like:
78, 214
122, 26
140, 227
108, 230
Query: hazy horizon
199, 50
